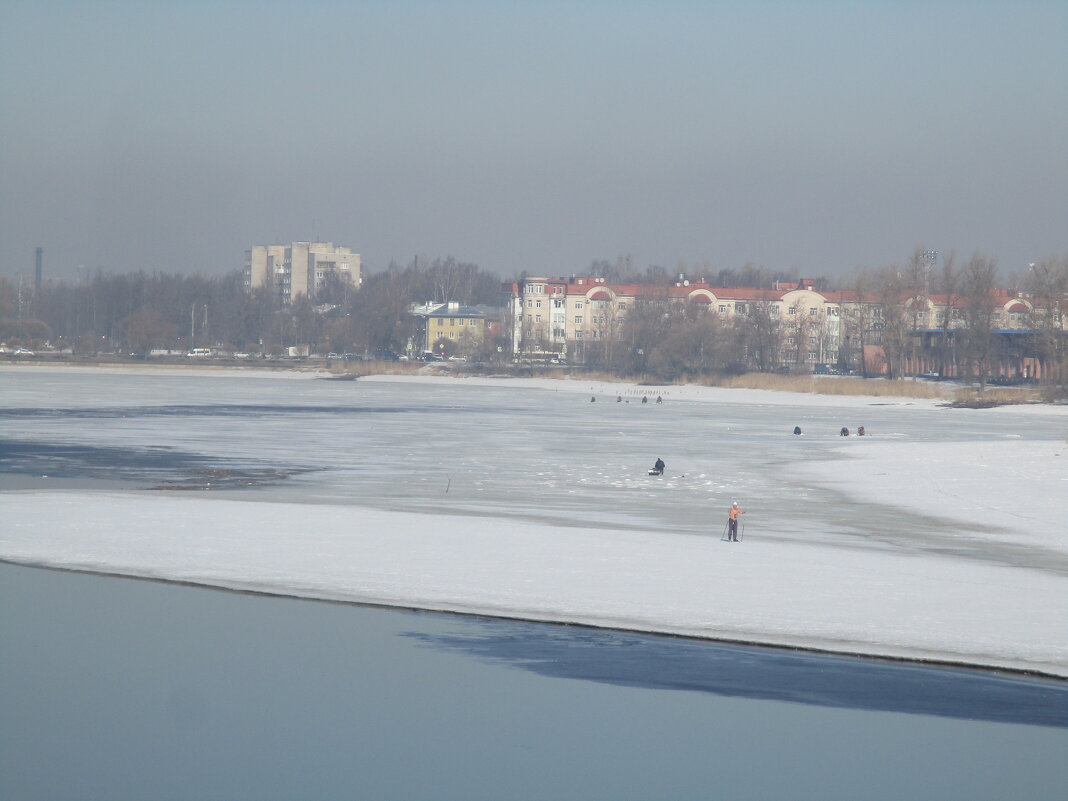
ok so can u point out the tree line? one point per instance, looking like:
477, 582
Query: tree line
136, 313
140, 312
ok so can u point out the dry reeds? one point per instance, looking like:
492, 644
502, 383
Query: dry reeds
999, 396
838, 385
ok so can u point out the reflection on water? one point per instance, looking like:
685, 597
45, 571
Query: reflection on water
661, 662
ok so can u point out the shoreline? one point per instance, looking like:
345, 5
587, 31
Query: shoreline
1021, 672
868, 391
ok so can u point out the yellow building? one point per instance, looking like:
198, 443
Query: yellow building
461, 329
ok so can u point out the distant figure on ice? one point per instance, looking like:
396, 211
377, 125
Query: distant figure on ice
619, 398
659, 399
645, 398
797, 430
732, 522
658, 468
844, 432
860, 431
593, 399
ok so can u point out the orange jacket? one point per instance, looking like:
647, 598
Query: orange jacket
733, 512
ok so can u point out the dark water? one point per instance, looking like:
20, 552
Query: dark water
122, 689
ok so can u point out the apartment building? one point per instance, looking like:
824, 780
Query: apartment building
551, 316
301, 268
464, 327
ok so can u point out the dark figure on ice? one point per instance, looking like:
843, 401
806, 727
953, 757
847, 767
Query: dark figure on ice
645, 398
797, 429
732, 522
593, 399
659, 399
844, 432
658, 468
619, 398
860, 431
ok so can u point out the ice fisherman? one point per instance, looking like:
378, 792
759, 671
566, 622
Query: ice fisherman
732, 522
658, 467
797, 430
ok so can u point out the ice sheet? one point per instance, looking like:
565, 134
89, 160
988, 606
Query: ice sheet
941, 536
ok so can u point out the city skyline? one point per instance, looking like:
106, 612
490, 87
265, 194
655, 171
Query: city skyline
822, 137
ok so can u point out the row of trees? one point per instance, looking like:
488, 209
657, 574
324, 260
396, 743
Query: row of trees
139, 312
664, 339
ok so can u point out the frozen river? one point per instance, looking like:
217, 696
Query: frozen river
940, 535
539, 455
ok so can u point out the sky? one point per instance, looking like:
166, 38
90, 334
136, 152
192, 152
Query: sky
539, 137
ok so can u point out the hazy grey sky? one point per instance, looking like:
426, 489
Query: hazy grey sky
172, 136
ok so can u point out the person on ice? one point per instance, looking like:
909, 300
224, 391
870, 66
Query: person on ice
658, 468
732, 522
797, 430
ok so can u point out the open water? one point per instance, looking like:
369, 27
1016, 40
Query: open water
123, 690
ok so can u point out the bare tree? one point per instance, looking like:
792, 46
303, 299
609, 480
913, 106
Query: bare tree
978, 282
761, 335
1047, 283
947, 283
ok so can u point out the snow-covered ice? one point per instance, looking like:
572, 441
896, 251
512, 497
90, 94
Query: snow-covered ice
943, 535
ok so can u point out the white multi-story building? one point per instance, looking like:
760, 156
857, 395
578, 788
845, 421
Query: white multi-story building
301, 268
550, 316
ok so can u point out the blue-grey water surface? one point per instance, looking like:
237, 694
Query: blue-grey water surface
121, 689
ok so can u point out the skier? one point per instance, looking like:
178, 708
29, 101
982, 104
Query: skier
732, 522
658, 467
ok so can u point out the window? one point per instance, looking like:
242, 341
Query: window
812, 312
537, 318
723, 308
578, 304
578, 319
462, 321
537, 304
452, 321
530, 304
793, 310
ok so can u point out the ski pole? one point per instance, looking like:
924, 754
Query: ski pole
723, 538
